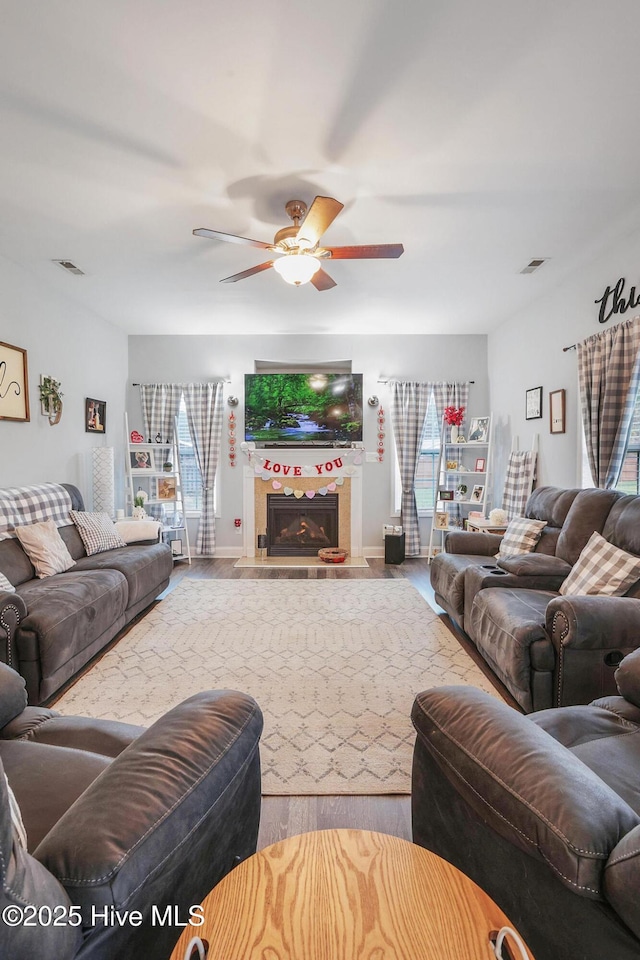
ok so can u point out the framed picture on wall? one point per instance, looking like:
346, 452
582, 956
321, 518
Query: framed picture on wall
557, 411
533, 403
95, 416
14, 383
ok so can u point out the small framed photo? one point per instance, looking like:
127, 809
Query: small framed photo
481, 463
166, 488
477, 493
442, 521
14, 383
140, 460
95, 416
533, 403
445, 494
478, 430
452, 464
176, 547
557, 411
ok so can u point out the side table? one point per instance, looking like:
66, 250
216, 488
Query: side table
348, 894
485, 526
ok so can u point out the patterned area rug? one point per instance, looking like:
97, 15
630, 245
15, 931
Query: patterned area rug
334, 665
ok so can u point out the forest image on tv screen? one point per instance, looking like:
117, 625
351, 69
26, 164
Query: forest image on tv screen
299, 408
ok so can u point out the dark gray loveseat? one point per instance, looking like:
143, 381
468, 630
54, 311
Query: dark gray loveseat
50, 628
548, 650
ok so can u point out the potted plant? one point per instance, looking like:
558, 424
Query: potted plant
51, 399
167, 466
454, 418
139, 512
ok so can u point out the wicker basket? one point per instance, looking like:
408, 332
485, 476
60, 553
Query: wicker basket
333, 554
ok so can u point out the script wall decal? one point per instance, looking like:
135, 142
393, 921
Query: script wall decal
612, 301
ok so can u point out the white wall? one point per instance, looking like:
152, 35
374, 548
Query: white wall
87, 355
526, 351
182, 359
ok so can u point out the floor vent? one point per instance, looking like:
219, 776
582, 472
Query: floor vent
71, 267
534, 264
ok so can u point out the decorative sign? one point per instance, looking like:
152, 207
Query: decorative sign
612, 301
265, 467
232, 439
380, 434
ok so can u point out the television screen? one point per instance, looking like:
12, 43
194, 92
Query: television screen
301, 408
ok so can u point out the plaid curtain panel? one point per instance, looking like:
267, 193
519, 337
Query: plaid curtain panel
518, 484
20, 506
454, 394
160, 404
409, 402
609, 374
602, 569
204, 415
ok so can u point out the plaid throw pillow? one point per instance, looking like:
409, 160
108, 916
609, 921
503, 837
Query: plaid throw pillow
521, 536
6, 585
98, 531
601, 569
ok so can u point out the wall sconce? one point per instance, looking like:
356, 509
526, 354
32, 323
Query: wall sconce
232, 401
373, 401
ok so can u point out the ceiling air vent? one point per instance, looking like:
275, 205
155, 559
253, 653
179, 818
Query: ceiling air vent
534, 264
71, 267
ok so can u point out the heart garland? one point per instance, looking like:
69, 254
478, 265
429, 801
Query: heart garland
310, 494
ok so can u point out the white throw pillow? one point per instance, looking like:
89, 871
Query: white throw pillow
6, 585
98, 531
521, 536
602, 569
45, 548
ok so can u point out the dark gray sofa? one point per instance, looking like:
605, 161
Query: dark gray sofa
542, 811
548, 650
119, 818
50, 628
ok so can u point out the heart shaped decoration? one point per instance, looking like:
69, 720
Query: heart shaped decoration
307, 471
265, 475
310, 494
357, 460
331, 486
276, 484
339, 481
136, 437
298, 494
288, 491
350, 471
323, 491
257, 469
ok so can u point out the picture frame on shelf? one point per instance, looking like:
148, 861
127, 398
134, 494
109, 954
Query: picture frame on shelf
481, 463
533, 403
477, 493
478, 430
557, 411
166, 488
176, 547
95, 415
452, 464
140, 461
441, 521
445, 494
14, 383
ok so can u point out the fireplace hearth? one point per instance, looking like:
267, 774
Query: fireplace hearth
299, 528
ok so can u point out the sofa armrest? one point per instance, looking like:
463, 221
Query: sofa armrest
473, 544
536, 565
13, 695
12, 610
167, 819
590, 636
528, 788
108, 738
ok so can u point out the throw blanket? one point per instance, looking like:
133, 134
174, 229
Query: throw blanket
39, 501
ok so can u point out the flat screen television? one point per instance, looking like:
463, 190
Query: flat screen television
300, 409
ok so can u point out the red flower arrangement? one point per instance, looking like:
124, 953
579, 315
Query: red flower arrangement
453, 416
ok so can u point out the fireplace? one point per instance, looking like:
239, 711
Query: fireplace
299, 528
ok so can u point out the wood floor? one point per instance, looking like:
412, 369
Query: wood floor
287, 816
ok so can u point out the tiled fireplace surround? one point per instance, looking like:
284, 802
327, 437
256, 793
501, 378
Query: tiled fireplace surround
255, 490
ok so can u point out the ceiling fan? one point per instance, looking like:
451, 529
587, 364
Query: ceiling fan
299, 245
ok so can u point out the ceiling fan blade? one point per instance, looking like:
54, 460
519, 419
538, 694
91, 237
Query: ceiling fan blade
320, 216
372, 251
216, 235
248, 273
322, 281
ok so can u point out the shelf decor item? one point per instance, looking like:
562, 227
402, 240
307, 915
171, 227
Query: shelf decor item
454, 418
51, 399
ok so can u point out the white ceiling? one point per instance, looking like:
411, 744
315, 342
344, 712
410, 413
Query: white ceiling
480, 135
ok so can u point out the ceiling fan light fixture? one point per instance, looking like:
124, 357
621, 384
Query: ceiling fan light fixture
296, 268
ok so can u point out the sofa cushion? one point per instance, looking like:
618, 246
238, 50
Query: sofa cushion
628, 678
551, 504
448, 579
602, 569
588, 512
97, 530
147, 568
623, 524
45, 548
521, 536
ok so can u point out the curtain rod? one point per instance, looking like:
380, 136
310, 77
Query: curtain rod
572, 346
182, 384
389, 378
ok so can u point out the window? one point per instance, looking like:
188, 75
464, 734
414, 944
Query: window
427, 468
629, 481
191, 477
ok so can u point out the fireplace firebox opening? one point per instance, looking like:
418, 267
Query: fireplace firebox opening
301, 527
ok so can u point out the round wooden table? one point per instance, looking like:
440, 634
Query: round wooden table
346, 895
